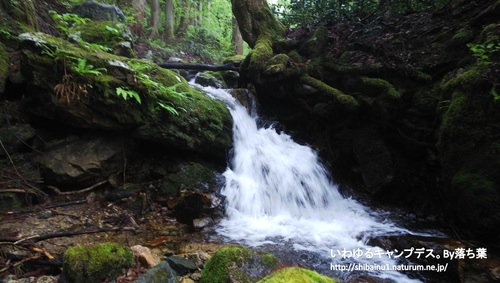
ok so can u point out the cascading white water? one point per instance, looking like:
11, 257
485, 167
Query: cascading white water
277, 191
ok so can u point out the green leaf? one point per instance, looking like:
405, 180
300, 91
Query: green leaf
126, 93
169, 108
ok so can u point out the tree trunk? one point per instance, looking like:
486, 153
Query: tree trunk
184, 19
260, 29
256, 20
155, 18
169, 20
139, 15
236, 38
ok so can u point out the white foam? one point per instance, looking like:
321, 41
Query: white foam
277, 191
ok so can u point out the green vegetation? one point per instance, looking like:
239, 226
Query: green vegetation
89, 264
83, 68
483, 52
306, 12
127, 93
346, 101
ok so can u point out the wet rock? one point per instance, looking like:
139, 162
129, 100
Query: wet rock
144, 256
190, 205
200, 223
182, 266
212, 79
374, 159
83, 162
161, 273
244, 96
237, 264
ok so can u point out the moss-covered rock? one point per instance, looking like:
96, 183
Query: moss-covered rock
237, 264
342, 100
209, 78
90, 264
113, 35
383, 87
296, 275
469, 153
100, 90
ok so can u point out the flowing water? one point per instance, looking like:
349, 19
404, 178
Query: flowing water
278, 192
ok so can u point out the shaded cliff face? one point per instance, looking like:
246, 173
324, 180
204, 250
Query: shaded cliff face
401, 109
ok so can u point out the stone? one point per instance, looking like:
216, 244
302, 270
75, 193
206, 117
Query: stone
99, 12
374, 159
182, 266
144, 256
200, 223
161, 273
15, 137
83, 162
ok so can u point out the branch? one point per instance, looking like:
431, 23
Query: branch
231, 66
37, 238
58, 192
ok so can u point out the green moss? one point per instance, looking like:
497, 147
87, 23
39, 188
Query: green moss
276, 64
194, 121
295, 56
191, 176
462, 37
467, 80
261, 53
346, 101
237, 264
106, 33
296, 275
4, 67
383, 86
94, 263
490, 34
234, 58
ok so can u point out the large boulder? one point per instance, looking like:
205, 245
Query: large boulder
470, 153
100, 91
83, 162
98, 11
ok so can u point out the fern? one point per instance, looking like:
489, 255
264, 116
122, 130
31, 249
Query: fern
169, 108
83, 69
127, 93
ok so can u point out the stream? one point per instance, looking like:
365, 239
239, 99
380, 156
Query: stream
280, 196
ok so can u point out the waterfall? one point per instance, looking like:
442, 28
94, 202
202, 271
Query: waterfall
278, 192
